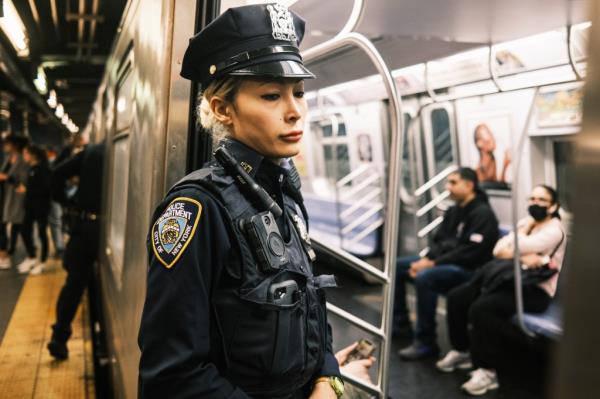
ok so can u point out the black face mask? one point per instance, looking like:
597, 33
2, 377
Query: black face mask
538, 212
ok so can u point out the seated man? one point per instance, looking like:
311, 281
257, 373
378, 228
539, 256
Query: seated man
463, 242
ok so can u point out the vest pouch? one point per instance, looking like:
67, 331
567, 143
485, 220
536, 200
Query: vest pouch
266, 343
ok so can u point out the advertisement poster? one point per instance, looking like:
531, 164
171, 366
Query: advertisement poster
491, 152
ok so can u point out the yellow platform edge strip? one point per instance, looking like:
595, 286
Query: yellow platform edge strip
26, 368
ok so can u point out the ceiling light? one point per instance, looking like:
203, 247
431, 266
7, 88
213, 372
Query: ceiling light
40, 81
65, 119
52, 99
13, 28
60, 111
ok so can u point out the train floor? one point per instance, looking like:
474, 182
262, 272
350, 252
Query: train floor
410, 379
27, 311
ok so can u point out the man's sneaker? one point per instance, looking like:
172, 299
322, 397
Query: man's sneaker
454, 360
58, 350
37, 269
4, 263
481, 381
417, 351
26, 265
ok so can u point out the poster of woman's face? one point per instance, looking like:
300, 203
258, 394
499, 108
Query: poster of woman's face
491, 150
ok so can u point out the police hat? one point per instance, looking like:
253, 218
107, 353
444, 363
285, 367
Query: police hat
255, 40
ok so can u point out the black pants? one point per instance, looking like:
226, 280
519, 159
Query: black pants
79, 258
489, 316
9, 242
42, 225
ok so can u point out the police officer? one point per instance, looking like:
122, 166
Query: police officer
232, 308
82, 248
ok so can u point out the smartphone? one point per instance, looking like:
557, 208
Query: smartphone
363, 350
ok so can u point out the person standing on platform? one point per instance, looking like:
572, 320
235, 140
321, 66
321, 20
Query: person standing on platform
37, 207
233, 309
83, 245
14, 172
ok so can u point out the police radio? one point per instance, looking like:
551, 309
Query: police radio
261, 229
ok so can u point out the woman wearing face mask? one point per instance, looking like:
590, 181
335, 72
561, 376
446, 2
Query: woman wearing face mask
233, 309
542, 243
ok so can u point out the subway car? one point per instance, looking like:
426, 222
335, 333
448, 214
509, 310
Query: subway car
406, 92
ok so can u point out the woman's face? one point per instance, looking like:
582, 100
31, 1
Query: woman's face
541, 198
484, 139
268, 116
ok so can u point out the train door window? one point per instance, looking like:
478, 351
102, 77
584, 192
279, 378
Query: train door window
338, 165
442, 140
119, 180
563, 162
334, 143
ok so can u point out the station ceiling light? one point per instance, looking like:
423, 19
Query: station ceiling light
60, 111
40, 82
52, 101
14, 29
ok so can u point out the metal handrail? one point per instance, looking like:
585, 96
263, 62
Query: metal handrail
433, 203
572, 61
354, 19
515, 204
367, 230
394, 175
429, 228
355, 263
435, 180
358, 204
352, 175
363, 184
362, 218
358, 322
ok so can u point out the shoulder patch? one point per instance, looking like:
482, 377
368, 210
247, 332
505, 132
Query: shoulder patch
174, 229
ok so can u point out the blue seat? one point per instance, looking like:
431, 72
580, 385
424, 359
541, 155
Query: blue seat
548, 324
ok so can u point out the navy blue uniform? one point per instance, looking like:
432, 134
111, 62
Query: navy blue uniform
184, 351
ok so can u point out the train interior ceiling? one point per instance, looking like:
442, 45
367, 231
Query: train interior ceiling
408, 93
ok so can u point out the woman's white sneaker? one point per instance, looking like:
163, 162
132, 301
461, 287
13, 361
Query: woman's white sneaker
454, 360
26, 265
481, 381
37, 269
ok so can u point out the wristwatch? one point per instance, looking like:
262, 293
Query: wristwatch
336, 383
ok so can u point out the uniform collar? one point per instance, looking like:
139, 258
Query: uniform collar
248, 158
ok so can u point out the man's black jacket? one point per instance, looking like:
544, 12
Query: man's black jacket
467, 235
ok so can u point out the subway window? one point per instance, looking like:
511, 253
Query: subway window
120, 154
442, 139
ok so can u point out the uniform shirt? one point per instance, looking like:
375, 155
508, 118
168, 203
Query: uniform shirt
176, 330
88, 165
467, 235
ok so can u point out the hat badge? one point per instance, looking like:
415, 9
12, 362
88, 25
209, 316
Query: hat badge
282, 23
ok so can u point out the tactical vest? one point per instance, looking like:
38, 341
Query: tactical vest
270, 350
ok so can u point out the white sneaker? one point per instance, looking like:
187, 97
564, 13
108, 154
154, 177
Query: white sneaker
454, 360
26, 265
37, 269
4, 263
481, 381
